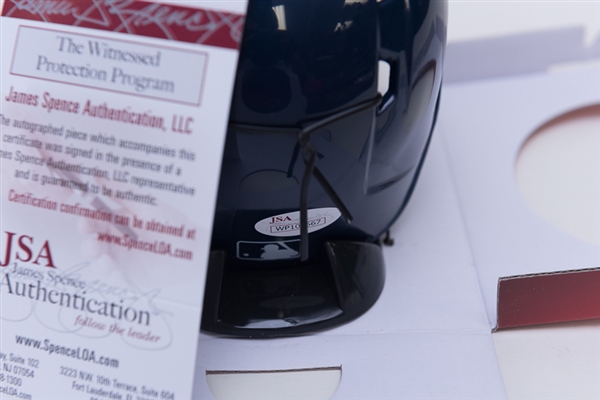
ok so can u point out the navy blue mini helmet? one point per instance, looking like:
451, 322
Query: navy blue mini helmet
318, 164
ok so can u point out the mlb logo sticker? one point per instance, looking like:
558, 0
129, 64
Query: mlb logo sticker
268, 250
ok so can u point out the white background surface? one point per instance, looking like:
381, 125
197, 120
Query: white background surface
561, 361
508, 236
478, 19
550, 362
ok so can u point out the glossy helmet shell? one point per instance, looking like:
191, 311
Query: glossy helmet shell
302, 61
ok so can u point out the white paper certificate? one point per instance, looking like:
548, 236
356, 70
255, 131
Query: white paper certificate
113, 118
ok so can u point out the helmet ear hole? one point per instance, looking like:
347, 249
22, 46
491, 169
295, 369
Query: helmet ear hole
383, 77
266, 89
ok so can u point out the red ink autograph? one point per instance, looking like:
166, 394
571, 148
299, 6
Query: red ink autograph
209, 27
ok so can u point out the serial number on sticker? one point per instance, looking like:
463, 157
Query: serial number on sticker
288, 224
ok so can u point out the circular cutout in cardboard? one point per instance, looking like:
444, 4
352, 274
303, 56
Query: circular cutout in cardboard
558, 172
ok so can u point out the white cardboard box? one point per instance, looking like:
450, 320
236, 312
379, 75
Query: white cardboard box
484, 123
426, 335
429, 335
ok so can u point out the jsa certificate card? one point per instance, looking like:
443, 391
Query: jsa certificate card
112, 122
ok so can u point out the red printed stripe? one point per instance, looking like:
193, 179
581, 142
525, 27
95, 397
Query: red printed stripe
193, 25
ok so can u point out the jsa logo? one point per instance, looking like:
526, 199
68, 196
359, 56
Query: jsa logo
24, 250
280, 219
